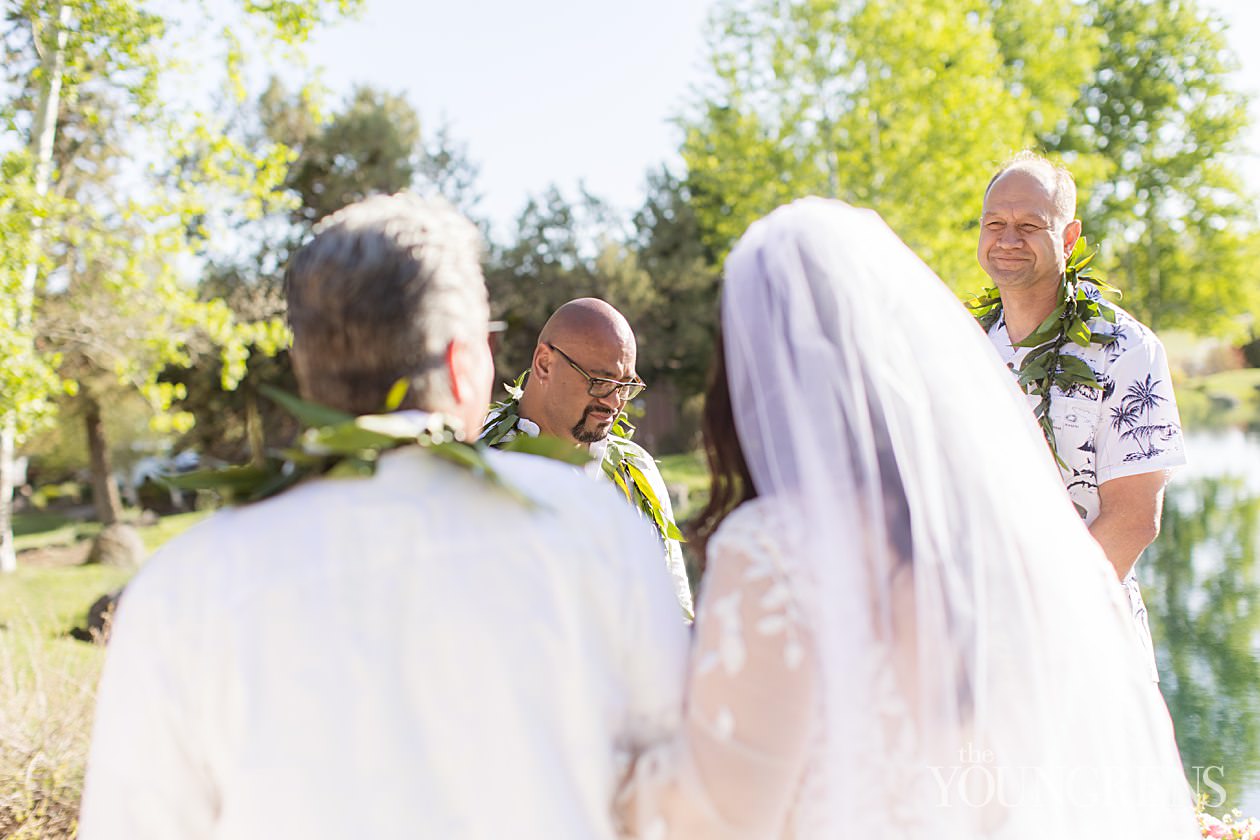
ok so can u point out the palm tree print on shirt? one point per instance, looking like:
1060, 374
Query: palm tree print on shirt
1113, 349
1132, 419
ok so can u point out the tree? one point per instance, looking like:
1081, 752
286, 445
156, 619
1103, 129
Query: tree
121, 229
905, 107
678, 334
372, 145
559, 252
656, 273
369, 143
1160, 115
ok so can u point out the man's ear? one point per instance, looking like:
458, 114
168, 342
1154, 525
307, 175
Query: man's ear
1071, 233
459, 370
540, 367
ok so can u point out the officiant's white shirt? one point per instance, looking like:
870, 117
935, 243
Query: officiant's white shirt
412, 655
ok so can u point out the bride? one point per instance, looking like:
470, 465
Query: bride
905, 629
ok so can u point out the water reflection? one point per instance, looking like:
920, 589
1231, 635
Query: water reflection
1201, 584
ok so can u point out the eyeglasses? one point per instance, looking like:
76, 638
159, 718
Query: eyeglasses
601, 388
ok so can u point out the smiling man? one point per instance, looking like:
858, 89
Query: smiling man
1117, 441
581, 377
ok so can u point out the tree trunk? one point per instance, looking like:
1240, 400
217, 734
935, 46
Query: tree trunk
8, 470
254, 429
44, 132
104, 488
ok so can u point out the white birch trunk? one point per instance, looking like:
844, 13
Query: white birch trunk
43, 133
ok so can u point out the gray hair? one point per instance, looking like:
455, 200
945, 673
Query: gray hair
1064, 183
377, 296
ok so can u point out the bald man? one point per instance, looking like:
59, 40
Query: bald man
581, 378
1120, 440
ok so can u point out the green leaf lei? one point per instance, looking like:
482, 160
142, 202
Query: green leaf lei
618, 464
1046, 366
335, 444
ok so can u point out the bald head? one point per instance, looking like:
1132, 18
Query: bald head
587, 319
584, 338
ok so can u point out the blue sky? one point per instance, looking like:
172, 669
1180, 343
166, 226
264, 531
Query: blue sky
557, 91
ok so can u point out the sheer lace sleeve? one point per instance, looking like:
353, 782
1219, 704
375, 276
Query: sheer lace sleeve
734, 768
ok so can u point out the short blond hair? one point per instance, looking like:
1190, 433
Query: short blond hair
1064, 183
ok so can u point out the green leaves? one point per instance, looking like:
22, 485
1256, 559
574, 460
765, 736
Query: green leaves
1046, 366
337, 445
1078, 332
1047, 330
1154, 133
548, 446
618, 463
309, 413
874, 102
1073, 371
649, 503
501, 420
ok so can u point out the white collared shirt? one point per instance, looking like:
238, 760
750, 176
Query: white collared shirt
415, 654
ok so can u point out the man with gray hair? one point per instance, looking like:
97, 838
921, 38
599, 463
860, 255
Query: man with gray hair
1116, 437
418, 653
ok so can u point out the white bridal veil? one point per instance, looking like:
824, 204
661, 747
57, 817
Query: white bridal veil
977, 673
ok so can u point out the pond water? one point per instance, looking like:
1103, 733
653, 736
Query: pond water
1202, 589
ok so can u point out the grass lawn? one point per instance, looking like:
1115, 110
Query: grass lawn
1227, 398
47, 678
690, 471
39, 529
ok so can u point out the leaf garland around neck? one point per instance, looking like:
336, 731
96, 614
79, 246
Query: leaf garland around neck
1046, 366
619, 465
334, 444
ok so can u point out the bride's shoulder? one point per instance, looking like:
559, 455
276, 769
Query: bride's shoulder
761, 526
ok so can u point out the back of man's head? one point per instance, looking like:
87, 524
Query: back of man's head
377, 296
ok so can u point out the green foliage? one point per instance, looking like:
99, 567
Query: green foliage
372, 145
504, 414
547, 446
678, 330
658, 277
116, 237
561, 250
1161, 118
1046, 367
28, 380
622, 461
47, 683
337, 153
689, 470
1228, 399
905, 107
1202, 583
336, 445
295, 20
619, 465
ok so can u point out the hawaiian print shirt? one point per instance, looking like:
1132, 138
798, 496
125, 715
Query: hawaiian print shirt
1129, 427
